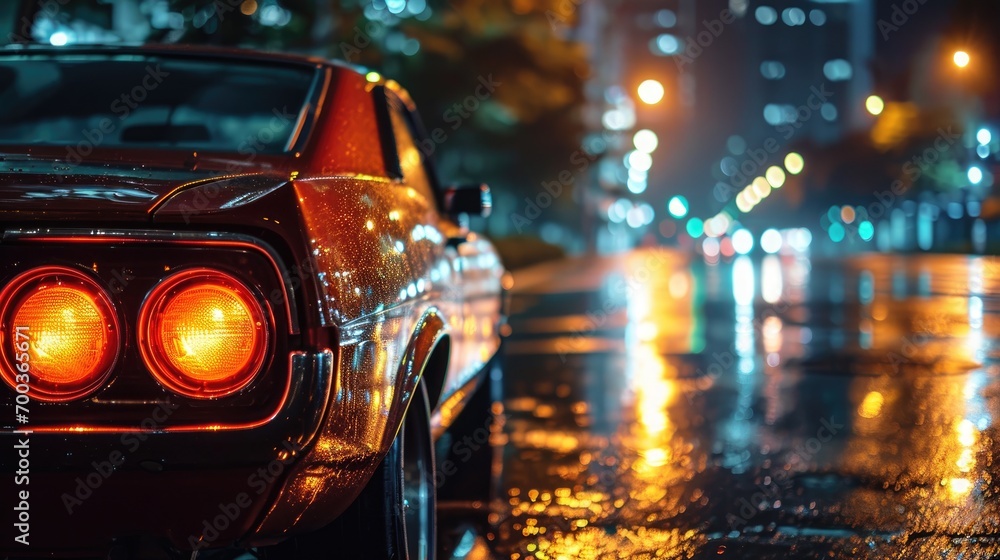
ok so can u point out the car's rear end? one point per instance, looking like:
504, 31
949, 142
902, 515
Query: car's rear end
152, 379
159, 373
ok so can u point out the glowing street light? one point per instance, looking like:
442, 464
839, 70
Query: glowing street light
961, 59
650, 92
875, 105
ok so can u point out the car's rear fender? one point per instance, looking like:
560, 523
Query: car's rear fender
381, 360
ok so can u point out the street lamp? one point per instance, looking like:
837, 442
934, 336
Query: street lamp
961, 59
650, 92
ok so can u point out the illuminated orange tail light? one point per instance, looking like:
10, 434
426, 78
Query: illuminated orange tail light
203, 333
59, 333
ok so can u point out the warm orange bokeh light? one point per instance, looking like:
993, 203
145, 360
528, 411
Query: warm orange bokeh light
205, 334
961, 59
70, 330
650, 92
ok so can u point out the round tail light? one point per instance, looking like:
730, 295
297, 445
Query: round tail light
60, 327
203, 333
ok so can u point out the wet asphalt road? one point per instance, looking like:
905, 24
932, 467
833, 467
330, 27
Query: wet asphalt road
775, 408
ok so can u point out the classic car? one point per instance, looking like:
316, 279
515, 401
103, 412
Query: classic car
237, 307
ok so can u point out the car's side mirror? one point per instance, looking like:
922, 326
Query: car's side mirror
474, 200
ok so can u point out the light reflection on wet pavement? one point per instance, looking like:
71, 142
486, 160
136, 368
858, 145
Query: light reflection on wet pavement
774, 408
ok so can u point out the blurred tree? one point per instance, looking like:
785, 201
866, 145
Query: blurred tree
262, 24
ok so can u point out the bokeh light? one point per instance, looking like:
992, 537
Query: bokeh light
742, 241
975, 175
726, 247
775, 176
742, 203
678, 207
650, 92
836, 232
961, 59
695, 227
866, 230
59, 39
639, 160
761, 187
645, 141
847, 214
710, 246
770, 241
794, 163
874, 104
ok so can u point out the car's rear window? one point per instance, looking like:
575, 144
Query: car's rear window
90, 101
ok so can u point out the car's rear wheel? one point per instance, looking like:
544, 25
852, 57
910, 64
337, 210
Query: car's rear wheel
394, 518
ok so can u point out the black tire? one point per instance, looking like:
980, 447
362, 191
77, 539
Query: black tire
395, 517
419, 491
